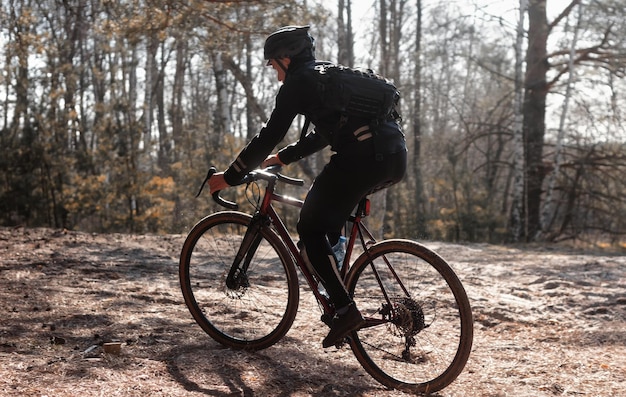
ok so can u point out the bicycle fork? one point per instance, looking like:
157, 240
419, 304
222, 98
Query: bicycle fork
238, 274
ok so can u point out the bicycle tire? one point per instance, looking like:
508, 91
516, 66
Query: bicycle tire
249, 317
433, 317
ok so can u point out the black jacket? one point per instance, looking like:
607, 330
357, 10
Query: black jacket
299, 95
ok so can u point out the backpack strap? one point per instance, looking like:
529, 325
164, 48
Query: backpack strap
374, 124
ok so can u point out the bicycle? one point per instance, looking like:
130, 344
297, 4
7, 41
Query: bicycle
234, 268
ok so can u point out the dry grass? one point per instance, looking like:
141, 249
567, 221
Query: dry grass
548, 323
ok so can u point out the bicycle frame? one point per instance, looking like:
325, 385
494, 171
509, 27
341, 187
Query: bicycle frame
266, 215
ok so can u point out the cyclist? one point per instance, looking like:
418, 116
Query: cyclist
357, 167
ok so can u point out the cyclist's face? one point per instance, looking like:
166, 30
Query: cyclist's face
281, 71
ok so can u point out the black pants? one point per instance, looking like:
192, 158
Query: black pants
333, 196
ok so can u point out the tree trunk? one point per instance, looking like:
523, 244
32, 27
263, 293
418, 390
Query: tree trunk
177, 97
345, 40
549, 212
534, 110
222, 119
252, 124
165, 144
152, 45
20, 35
516, 226
391, 37
419, 196
244, 77
382, 29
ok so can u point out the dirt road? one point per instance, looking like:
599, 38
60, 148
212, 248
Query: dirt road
548, 322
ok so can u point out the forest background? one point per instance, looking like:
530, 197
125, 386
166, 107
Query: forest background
112, 111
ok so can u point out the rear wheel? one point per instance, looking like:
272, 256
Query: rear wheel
419, 329
259, 308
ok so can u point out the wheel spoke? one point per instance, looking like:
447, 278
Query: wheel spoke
258, 305
416, 294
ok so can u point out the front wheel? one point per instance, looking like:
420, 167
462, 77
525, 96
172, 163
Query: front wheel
259, 308
419, 328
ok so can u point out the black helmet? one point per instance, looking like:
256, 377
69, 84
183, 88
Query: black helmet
288, 41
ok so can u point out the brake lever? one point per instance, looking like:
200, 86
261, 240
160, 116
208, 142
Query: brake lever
212, 171
216, 195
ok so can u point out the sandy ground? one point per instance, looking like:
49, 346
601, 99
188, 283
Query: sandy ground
548, 322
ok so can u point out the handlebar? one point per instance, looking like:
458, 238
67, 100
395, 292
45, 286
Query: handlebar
269, 174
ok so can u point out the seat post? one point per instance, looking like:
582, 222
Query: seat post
363, 209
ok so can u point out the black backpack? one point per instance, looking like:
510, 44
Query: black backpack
357, 92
